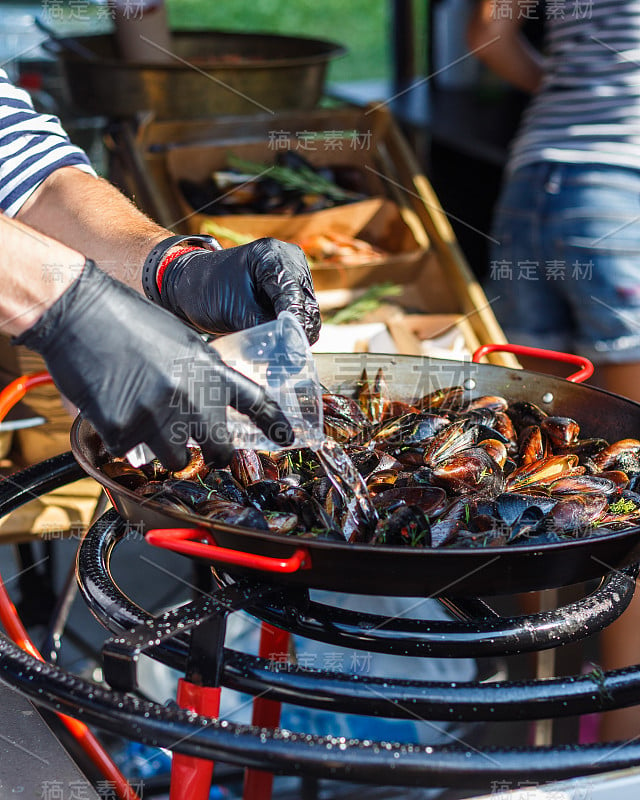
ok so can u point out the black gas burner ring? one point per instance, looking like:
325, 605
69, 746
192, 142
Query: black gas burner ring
282, 751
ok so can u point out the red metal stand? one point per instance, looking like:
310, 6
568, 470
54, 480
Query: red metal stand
191, 777
274, 643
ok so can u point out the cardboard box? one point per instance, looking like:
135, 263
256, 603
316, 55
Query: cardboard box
444, 282
376, 220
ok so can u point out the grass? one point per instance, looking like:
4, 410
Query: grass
362, 26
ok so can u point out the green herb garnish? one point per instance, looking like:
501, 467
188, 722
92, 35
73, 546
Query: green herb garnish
303, 179
622, 506
369, 301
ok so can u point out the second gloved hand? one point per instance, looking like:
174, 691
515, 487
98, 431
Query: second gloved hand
138, 374
220, 291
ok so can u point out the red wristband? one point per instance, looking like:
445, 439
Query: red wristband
168, 259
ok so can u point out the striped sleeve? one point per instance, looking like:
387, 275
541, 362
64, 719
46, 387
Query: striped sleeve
32, 146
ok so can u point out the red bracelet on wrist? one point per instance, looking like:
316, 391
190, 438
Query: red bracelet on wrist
168, 259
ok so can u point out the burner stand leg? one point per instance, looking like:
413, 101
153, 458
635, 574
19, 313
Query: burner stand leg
199, 691
274, 644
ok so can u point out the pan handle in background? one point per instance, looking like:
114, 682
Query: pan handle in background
16, 390
586, 367
180, 540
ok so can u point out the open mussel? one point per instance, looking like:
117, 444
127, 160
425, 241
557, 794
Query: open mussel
531, 445
450, 440
374, 398
195, 468
543, 472
623, 455
471, 471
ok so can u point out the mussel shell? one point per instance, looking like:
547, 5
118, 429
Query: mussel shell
471, 539
486, 432
410, 455
562, 431
262, 494
583, 448
270, 466
620, 478
494, 402
340, 406
123, 473
478, 416
340, 428
450, 440
496, 450
406, 526
246, 467
382, 480
309, 511
583, 484
392, 432
186, 491
454, 518
450, 398
526, 525
511, 505
432, 500
531, 446
623, 454
223, 482
364, 460
221, 510
373, 398
575, 513
194, 469
281, 521
542, 472
523, 414
471, 471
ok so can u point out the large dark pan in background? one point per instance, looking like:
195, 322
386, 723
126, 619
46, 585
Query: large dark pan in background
420, 572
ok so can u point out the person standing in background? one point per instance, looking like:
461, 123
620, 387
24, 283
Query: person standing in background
565, 262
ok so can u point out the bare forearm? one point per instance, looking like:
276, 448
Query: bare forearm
500, 44
91, 216
34, 270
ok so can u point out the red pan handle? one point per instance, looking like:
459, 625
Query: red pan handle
179, 540
586, 367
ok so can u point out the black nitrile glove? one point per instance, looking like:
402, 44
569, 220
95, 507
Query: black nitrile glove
138, 374
220, 291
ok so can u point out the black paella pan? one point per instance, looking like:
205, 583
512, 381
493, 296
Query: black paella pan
323, 564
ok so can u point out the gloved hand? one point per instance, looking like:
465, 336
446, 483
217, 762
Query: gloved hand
138, 374
220, 291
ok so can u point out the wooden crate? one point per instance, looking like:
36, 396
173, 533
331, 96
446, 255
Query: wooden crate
445, 283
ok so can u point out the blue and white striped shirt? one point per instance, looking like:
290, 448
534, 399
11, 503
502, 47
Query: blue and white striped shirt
588, 109
32, 146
